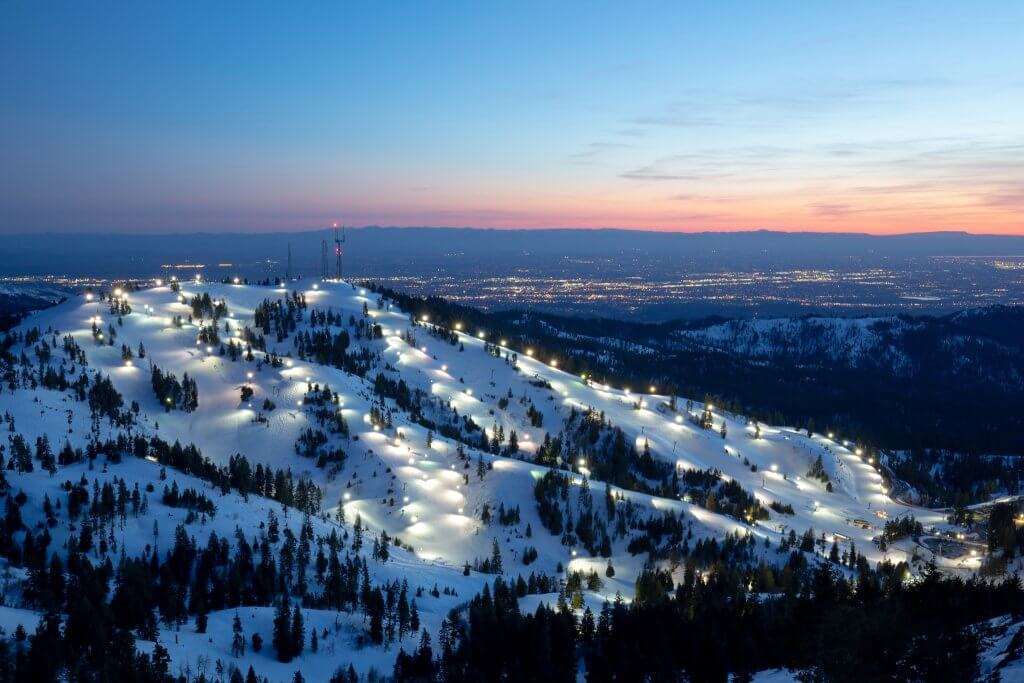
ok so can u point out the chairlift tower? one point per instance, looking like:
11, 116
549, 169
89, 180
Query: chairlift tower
338, 241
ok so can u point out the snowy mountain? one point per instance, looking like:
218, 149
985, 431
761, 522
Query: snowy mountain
901, 382
899, 345
850, 341
218, 447
20, 297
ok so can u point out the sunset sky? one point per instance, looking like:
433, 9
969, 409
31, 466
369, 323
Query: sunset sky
872, 117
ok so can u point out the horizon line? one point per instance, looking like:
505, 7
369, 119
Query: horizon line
653, 231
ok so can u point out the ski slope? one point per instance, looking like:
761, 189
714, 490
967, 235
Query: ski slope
397, 482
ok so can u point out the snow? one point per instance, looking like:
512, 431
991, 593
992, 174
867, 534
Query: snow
441, 518
854, 341
192, 652
12, 617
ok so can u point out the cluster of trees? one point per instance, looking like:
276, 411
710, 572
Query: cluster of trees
901, 527
328, 318
817, 471
280, 315
279, 485
715, 494
660, 537
398, 391
549, 490
579, 521
611, 456
289, 631
323, 404
205, 307
171, 393
489, 565
875, 627
92, 612
1003, 533
325, 348
189, 498
104, 399
944, 478
312, 443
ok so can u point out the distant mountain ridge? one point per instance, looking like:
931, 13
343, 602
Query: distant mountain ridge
19, 298
370, 249
978, 342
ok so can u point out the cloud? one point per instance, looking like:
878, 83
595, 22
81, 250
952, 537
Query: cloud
594, 150
648, 173
896, 188
782, 105
1010, 197
661, 170
835, 210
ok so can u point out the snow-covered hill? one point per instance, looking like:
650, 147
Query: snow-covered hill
849, 341
387, 417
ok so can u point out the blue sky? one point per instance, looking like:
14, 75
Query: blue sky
880, 117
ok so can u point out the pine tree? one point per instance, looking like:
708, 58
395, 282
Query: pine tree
357, 533
282, 631
238, 641
403, 611
496, 567
298, 633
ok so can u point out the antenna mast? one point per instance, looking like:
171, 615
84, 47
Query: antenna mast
288, 273
323, 259
337, 250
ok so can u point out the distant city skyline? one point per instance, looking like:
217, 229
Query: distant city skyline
878, 117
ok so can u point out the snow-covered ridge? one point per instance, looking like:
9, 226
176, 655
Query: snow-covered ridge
398, 475
851, 341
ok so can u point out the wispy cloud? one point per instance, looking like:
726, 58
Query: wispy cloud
593, 151
665, 169
1010, 197
781, 105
